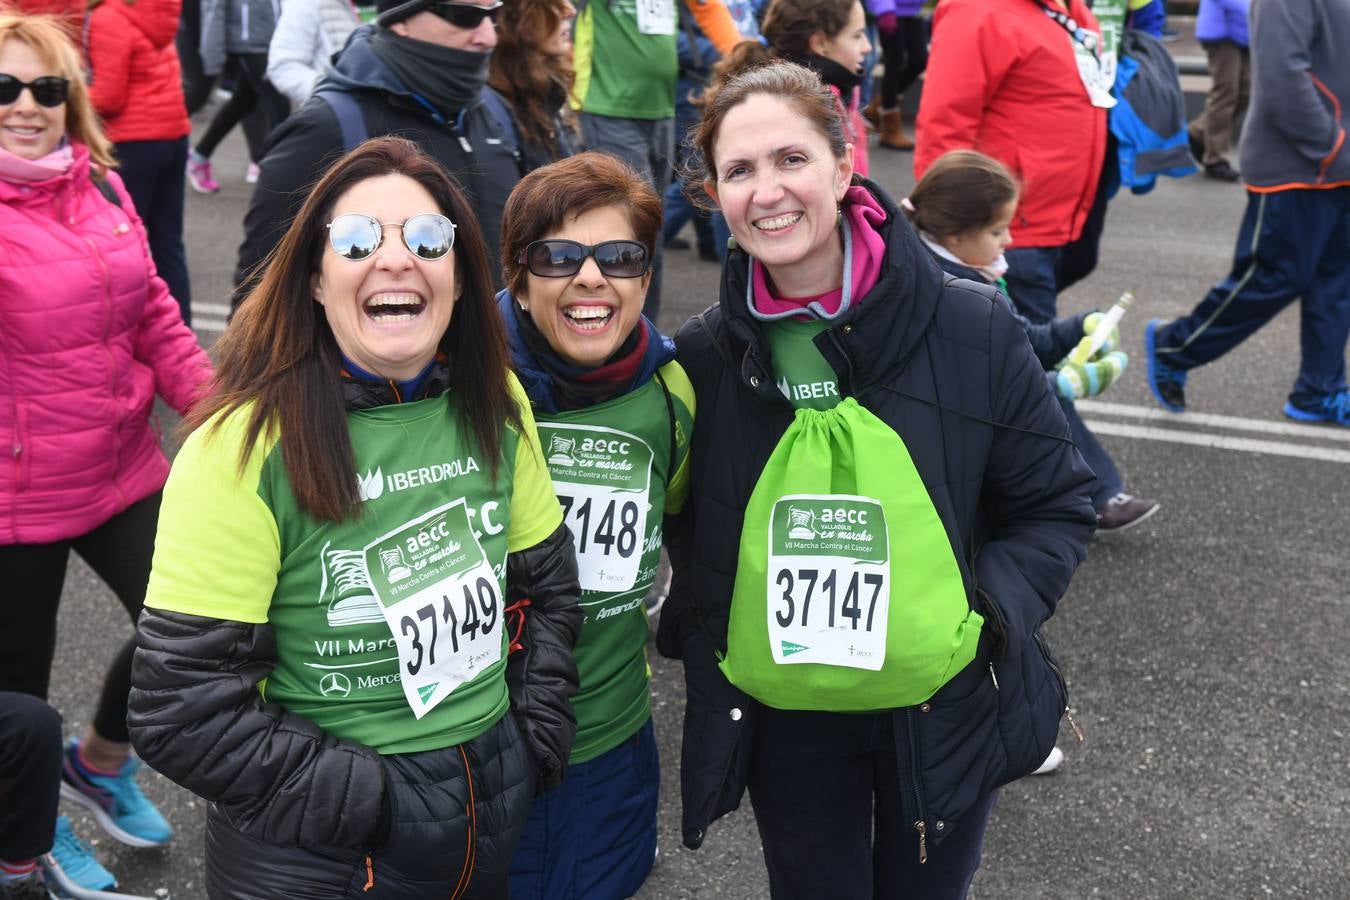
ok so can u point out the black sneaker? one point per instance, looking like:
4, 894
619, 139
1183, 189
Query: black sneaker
1222, 171
1124, 511
1167, 384
1197, 148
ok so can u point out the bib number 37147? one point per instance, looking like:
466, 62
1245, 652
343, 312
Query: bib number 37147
828, 581
442, 601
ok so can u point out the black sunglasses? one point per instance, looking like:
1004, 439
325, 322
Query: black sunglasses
467, 15
356, 236
49, 90
558, 258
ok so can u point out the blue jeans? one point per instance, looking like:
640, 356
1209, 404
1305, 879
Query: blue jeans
153, 174
1291, 245
594, 836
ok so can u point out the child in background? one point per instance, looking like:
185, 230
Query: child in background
962, 208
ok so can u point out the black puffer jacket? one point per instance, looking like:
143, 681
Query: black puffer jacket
948, 367
195, 713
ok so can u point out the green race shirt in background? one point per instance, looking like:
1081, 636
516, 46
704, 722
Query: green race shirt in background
622, 72
616, 474
236, 547
802, 374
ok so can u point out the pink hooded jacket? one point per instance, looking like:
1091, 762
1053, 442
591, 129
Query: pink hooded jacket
88, 336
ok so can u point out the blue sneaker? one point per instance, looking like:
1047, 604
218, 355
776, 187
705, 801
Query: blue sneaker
1334, 409
1167, 384
71, 867
115, 800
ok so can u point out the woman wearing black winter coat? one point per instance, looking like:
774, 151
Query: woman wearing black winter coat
885, 508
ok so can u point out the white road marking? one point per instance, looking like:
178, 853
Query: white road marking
219, 310
1219, 441
1233, 423
207, 324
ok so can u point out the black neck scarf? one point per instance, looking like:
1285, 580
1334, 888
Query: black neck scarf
450, 80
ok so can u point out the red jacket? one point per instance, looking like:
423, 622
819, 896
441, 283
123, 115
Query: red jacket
137, 88
88, 336
1003, 79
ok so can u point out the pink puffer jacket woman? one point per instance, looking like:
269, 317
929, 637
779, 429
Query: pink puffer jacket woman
88, 336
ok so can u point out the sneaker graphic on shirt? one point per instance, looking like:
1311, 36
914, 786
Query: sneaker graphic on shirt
345, 587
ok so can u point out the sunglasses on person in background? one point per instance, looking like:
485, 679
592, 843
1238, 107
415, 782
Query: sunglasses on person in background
49, 90
356, 236
559, 258
467, 15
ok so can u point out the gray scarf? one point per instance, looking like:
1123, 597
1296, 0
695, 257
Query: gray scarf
450, 80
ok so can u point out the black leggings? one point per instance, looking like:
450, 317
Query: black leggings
252, 91
31, 578
906, 56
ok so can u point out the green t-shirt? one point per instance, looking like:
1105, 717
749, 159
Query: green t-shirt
801, 373
625, 60
616, 472
409, 591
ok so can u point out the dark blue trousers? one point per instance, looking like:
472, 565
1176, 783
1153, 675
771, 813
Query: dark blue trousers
826, 792
594, 836
1291, 245
153, 174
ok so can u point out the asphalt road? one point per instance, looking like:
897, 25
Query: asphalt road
1204, 649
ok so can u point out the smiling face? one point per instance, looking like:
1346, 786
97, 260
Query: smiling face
586, 317
28, 130
388, 311
779, 186
981, 246
850, 46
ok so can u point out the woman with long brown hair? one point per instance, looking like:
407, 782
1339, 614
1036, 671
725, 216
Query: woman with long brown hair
325, 653
531, 76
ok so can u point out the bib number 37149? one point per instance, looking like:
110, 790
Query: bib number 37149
828, 581
442, 601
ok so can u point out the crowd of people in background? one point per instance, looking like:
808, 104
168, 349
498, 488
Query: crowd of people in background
451, 270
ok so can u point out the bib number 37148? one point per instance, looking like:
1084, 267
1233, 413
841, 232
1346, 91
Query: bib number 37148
442, 601
829, 581
603, 480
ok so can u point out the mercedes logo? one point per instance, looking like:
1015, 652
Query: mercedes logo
335, 683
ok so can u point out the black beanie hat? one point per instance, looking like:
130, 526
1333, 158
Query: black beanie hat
391, 11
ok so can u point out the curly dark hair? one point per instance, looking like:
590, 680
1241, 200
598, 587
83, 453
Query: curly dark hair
536, 85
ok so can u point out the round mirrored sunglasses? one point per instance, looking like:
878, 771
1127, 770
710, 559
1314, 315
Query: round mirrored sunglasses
356, 236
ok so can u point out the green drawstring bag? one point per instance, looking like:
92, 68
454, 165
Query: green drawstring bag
848, 597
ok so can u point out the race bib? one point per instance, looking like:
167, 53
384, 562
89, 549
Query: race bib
829, 581
1093, 72
602, 477
656, 16
442, 601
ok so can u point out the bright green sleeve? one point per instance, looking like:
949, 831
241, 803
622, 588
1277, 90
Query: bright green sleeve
535, 513
217, 550
682, 399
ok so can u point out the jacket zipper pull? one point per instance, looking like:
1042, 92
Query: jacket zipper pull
1077, 732
922, 829
464, 142
993, 677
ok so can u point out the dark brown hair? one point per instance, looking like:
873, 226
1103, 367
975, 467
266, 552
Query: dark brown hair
795, 85
534, 84
550, 195
961, 190
279, 353
788, 27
